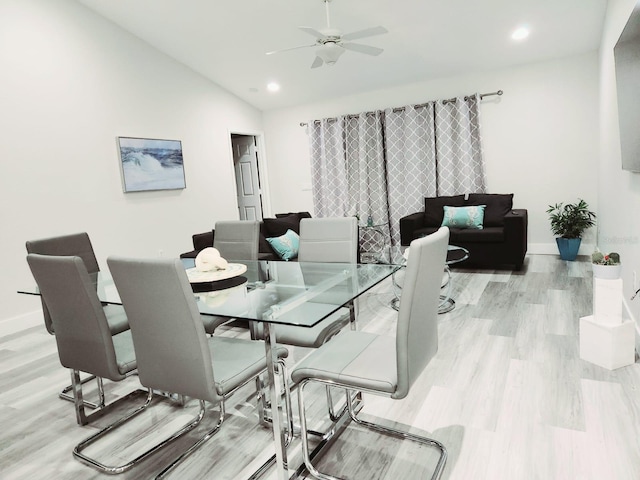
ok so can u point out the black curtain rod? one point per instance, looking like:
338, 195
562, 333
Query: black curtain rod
400, 109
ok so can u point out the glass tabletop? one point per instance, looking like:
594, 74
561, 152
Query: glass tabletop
290, 293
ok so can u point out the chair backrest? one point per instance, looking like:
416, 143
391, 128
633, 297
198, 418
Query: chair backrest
237, 239
329, 240
82, 331
417, 329
75, 244
172, 350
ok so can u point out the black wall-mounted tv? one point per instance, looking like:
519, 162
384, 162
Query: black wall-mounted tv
627, 59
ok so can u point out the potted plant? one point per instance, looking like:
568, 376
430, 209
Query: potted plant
568, 223
606, 265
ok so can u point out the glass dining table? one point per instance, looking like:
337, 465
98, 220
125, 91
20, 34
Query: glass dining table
275, 292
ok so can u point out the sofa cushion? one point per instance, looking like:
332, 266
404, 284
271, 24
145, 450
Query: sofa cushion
276, 227
468, 235
300, 215
464, 217
434, 211
286, 246
498, 205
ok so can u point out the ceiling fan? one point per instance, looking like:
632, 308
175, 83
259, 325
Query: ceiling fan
332, 43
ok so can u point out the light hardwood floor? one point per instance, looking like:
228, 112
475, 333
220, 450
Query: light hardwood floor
507, 394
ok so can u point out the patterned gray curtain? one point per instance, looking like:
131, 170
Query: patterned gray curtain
366, 174
328, 168
460, 165
411, 161
382, 164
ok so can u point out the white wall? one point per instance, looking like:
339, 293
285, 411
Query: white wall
618, 190
540, 138
70, 83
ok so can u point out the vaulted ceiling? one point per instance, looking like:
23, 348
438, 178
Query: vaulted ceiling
227, 41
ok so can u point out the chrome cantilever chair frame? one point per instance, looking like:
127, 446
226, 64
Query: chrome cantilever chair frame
100, 410
364, 362
157, 297
187, 427
83, 335
354, 416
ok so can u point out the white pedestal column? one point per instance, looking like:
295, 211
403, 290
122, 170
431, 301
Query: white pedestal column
607, 339
607, 300
609, 346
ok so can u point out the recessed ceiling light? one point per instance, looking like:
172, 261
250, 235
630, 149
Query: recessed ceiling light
273, 87
520, 33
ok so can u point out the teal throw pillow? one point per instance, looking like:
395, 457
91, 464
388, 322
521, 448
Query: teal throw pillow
287, 245
464, 217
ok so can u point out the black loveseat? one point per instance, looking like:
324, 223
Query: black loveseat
269, 227
501, 240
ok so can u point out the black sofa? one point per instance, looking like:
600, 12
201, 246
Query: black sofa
502, 240
269, 227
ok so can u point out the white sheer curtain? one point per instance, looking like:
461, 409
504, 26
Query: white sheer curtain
382, 164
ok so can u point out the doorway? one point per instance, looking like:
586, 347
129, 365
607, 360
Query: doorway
247, 172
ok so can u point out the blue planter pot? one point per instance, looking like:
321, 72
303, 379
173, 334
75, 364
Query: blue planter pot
568, 247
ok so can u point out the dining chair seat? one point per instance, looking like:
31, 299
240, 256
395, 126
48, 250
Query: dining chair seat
116, 318
365, 360
310, 337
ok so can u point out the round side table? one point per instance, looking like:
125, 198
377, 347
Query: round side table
455, 254
373, 242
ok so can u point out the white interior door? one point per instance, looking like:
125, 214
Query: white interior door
245, 162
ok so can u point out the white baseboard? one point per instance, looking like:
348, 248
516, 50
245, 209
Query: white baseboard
552, 249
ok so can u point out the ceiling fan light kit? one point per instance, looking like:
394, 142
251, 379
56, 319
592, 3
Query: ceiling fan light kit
329, 53
332, 44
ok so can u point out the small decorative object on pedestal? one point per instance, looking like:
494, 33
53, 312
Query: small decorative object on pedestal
606, 266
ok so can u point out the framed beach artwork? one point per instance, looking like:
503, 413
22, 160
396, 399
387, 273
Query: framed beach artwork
149, 164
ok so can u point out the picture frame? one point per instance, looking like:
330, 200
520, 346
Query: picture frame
149, 164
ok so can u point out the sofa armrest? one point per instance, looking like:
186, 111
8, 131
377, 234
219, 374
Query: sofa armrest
516, 224
410, 224
200, 242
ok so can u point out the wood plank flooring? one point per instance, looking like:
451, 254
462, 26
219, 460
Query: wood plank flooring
507, 394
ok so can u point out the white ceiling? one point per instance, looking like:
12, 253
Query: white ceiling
226, 41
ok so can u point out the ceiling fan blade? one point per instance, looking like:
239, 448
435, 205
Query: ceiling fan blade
317, 63
360, 48
314, 32
367, 32
292, 48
